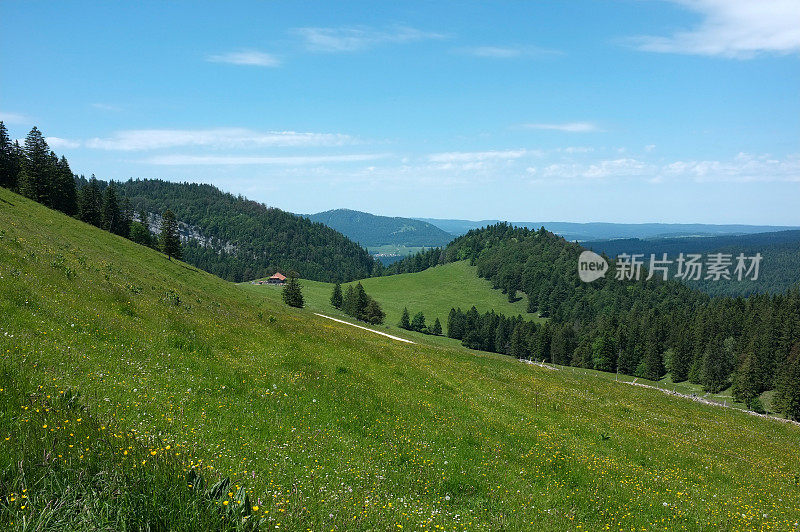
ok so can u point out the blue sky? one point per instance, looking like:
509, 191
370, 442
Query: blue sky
626, 111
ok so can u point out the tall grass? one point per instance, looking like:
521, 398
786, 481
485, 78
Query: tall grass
62, 469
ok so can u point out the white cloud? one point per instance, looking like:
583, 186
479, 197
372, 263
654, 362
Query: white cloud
188, 160
569, 127
625, 167
577, 149
507, 52
106, 107
353, 39
734, 28
14, 118
477, 156
150, 139
246, 57
742, 169
59, 143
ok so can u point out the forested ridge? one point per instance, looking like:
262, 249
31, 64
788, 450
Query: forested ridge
249, 240
645, 328
371, 230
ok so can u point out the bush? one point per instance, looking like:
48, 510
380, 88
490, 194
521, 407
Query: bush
756, 405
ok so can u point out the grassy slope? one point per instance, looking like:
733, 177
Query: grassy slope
331, 427
434, 292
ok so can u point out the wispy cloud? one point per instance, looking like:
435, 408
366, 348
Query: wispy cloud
151, 139
733, 28
205, 160
507, 52
14, 118
59, 143
569, 127
246, 57
743, 168
354, 39
476, 156
598, 170
106, 107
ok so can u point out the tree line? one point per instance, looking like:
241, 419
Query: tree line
646, 328
357, 303
417, 323
36, 172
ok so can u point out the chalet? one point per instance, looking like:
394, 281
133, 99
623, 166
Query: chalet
278, 278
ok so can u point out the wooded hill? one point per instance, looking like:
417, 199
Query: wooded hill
645, 328
243, 239
372, 231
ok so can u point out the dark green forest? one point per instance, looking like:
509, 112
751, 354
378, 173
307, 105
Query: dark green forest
244, 239
778, 272
645, 328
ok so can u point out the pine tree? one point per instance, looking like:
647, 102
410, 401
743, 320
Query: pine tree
38, 168
25, 185
745, 380
127, 214
517, 348
604, 353
787, 392
292, 294
715, 366
418, 323
349, 302
652, 364
373, 313
362, 300
336, 296
405, 320
65, 197
170, 241
436, 330
9, 161
455, 324
90, 202
111, 215
562, 344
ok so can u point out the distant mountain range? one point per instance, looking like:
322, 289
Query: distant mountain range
372, 231
605, 231
391, 238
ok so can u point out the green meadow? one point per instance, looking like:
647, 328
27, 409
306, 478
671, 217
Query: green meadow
433, 292
321, 426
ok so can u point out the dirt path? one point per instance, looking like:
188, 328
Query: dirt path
367, 329
699, 399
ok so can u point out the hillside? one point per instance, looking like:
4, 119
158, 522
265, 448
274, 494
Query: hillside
433, 292
778, 272
373, 231
325, 426
238, 239
626, 323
